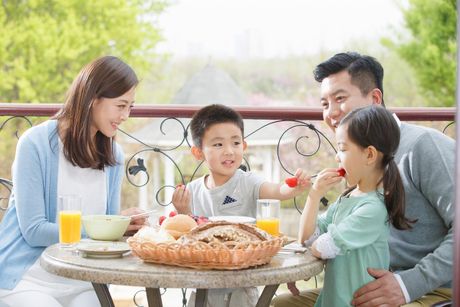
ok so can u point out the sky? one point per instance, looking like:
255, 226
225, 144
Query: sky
273, 28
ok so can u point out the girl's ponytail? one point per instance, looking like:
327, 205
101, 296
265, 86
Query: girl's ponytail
394, 194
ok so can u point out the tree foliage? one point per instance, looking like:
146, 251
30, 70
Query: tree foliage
44, 43
431, 51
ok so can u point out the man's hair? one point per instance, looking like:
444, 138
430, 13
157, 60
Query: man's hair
365, 71
210, 115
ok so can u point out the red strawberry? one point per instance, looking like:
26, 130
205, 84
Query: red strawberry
341, 172
172, 213
161, 219
201, 220
291, 182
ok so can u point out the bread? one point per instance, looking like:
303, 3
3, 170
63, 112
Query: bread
178, 225
222, 231
154, 235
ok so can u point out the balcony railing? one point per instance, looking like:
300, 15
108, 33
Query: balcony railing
292, 118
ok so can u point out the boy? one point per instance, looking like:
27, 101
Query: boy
217, 133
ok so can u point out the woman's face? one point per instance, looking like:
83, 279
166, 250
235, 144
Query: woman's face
109, 113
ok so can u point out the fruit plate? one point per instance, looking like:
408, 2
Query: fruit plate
233, 219
99, 249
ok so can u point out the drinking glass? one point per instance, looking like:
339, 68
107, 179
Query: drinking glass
268, 215
69, 208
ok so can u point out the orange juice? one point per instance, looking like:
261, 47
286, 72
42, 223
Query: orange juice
69, 226
272, 226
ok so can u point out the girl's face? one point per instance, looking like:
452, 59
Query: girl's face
222, 149
350, 156
109, 113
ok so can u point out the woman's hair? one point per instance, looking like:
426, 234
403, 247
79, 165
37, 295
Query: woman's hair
375, 126
105, 77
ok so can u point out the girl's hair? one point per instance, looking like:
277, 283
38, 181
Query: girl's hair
105, 77
375, 126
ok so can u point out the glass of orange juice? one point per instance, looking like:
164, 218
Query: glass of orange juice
268, 216
69, 208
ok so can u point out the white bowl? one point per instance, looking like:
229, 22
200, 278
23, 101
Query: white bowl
233, 219
105, 227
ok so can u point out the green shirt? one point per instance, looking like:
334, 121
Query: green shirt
359, 228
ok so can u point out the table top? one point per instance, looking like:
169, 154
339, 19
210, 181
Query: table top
132, 271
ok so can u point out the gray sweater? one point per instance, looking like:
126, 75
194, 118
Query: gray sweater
423, 256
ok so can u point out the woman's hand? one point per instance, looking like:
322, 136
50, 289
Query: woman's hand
136, 222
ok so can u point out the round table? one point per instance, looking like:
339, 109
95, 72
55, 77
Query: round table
131, 271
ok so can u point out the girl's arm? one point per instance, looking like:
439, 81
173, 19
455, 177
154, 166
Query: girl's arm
281, 191
325, 181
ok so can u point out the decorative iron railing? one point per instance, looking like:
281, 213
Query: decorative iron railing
295, 130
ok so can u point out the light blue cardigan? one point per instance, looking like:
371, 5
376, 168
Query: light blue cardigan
29, 225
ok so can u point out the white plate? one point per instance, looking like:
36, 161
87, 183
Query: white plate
233, 219
99, 249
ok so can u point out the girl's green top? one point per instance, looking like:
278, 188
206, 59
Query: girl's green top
360, 229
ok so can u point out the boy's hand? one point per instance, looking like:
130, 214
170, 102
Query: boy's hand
181, 199
325, 180
300, 180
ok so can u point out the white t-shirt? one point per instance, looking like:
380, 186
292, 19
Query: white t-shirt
73, 180
238, 196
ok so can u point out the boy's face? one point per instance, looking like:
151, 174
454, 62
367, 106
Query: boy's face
222, 149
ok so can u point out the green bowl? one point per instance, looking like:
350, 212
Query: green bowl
105, 227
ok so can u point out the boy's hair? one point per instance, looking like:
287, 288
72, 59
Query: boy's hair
375, 126
210, 115
365, 71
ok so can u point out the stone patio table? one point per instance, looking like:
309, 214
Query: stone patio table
132, 271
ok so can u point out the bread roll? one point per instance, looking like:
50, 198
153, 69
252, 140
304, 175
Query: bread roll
178, 225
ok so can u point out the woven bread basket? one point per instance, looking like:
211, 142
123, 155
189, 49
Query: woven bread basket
203, 255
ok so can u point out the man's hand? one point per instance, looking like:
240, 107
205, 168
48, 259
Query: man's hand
181, 199
292, 287
383, 291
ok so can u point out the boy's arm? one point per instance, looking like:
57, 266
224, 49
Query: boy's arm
281, 191
181, 200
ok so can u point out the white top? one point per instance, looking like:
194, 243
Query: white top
238, 196
73, 180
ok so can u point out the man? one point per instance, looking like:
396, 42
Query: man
421, 258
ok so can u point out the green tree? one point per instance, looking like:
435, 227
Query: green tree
431, 50
44, 43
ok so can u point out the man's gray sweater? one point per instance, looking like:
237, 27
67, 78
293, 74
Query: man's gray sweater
423, 256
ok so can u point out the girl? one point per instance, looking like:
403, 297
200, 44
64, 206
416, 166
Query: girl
73, 153
353, 234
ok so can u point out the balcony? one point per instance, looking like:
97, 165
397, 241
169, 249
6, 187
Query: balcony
156, 145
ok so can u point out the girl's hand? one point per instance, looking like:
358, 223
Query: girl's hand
181, 199
325, 180
136, 222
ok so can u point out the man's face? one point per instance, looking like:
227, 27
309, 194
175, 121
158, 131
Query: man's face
339, 96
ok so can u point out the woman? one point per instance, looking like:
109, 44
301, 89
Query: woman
72, 153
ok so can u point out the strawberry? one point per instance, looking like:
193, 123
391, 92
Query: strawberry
161, 219
291, 182
202, 220
172, 213
341, 172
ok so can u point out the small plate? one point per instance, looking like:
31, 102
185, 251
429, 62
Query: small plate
233, 219
103, 249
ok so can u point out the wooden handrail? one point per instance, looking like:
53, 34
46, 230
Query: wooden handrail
251, 112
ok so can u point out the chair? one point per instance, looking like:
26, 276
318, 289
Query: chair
447, 303
8, 185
